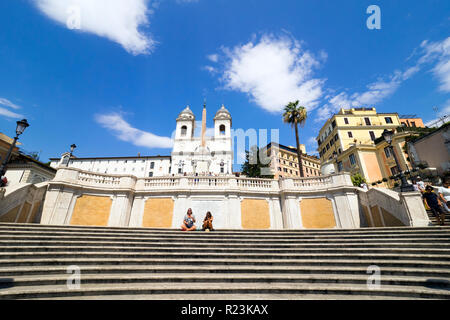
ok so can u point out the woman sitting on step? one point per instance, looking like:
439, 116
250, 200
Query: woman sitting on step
188, 221
207, 223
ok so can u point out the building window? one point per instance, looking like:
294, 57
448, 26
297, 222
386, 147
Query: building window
336, 137
394, 170
222, 170
388, 120
150, 174
333, 124
180, 170
328, 147
346, 120
279, 168
413, 124
372, 135
340, 166
350, 134
352, 159
285, 170
367, 120
183, 131
222, 130
152, 165
387, 152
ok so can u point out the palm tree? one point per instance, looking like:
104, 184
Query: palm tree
296, 115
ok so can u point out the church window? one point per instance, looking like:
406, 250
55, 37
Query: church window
222, 130
183, 131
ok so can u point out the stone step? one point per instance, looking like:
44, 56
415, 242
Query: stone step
214, 249
203, 239
246, 246
4, 256
168, 289
236, 234
193, 236
46, 280
222, 270
222, 262
17, 226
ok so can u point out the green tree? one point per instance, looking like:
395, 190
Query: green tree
357, 179
296, 116
253, 164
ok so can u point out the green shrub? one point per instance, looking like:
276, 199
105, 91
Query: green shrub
357, 179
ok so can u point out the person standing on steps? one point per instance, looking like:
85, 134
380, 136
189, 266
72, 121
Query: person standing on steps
432, 200
444, 195
207, 222
188, 221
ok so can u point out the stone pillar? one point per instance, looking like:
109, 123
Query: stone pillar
291, 213
346, 211
120, 211
276, 214
137, 212
234, 212
413, 204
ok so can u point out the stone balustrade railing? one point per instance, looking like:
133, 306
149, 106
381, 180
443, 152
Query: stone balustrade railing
88, 179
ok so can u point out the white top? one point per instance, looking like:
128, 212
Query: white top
445, 193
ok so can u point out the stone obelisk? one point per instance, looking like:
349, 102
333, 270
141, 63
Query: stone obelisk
204, 125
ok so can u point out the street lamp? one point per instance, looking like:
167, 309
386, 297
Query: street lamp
405, 187
72, 148
21, 126
335, 156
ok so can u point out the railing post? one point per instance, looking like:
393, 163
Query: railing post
67, 175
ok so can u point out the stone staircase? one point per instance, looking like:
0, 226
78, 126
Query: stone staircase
118, 263
435, 221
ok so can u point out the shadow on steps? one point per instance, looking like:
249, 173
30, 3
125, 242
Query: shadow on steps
6, 283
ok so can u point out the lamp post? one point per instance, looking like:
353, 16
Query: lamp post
72, 148
21, 126
405, 187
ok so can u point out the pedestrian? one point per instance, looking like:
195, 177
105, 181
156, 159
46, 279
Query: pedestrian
444, 195
432, 200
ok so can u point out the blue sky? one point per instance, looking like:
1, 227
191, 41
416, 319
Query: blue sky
115, 86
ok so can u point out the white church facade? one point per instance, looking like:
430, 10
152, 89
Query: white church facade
191, 155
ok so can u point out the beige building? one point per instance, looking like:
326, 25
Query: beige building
353, 126
433, 149
375, 161
284, 161
411, 121
355, 136
5, 144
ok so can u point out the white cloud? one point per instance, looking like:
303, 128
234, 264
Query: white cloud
8, 113
125, 132
439, 53
375, 93
116, 20
213, 57
274, 72
210, 69
7, 103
